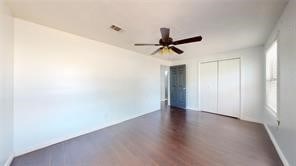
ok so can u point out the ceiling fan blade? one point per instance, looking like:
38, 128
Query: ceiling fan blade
142, 44
165, 34
156, 51
176, 50
189, 40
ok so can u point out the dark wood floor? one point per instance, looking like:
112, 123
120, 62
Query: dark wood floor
170, 137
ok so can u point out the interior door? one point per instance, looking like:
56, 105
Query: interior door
178, 86
208, 88
229, 87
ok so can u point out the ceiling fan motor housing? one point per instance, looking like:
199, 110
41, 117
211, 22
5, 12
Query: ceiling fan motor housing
166, 43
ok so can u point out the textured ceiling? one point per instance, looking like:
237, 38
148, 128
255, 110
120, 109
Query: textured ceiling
224, 24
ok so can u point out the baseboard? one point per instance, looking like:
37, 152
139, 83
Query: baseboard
9, 160
65, 138
250, 119
192, 109
277, 147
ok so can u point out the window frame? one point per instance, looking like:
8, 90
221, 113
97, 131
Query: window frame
274, 112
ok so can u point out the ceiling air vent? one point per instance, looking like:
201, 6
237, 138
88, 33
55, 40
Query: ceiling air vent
115, 28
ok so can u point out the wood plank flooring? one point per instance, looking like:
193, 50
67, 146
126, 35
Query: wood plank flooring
170, 137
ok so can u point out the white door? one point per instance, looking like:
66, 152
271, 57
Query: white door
229, 87
208, 86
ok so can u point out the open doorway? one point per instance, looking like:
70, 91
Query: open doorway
164, 84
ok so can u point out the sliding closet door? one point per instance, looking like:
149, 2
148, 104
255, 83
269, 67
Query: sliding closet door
229, 87
208, 86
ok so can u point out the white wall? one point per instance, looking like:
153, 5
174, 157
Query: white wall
252, 77
66, 85
6, 67
285, 134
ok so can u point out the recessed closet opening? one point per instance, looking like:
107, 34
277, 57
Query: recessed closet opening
220, 87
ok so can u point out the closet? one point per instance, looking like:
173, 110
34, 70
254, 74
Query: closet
219, 87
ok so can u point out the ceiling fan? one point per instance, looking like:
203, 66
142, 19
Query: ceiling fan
167, 43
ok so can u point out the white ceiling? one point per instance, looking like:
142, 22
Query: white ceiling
224, 24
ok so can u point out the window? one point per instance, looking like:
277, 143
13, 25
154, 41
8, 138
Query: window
271, 77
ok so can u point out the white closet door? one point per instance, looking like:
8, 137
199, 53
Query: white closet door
208, 86
229, 87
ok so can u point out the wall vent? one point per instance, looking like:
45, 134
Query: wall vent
115, 28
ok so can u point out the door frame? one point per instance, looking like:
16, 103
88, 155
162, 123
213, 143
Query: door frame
240, 80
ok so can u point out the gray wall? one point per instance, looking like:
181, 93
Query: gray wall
285, 33
69, 85
6, 61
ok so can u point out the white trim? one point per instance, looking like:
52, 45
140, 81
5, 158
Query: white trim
277, 147
65, 138
271, 111
275, 113
240, 89
9, 160
250, 119
192, 109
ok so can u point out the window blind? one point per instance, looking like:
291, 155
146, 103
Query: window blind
271, 77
